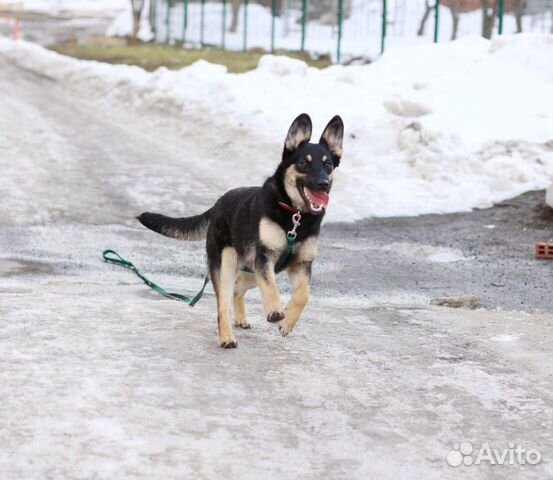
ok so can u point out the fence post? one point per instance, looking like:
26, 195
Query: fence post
273, 15
202, 22
184, 20
436, 20
154, 18
303, 23
384, 25
245, 46
223, 32
500, 14
168, 21
340, 21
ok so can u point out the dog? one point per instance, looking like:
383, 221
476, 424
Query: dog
247, 230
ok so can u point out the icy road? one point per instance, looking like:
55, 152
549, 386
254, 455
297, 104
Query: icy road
101, 378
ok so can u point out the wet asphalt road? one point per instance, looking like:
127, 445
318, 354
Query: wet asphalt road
498, 244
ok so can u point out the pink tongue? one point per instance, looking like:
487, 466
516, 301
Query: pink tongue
318, 198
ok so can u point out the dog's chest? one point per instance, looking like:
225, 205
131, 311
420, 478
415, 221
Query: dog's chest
273, 237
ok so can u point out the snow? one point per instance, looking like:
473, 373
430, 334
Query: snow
429, 129
57, 6
122, 24
119, 385
549, 196
427, 253
361, 32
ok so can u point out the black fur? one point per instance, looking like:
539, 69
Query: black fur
235, 218
186, 228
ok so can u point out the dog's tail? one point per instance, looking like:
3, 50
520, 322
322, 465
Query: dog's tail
186, 228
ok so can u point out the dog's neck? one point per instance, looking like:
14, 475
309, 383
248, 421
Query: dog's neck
287, 208
278, 191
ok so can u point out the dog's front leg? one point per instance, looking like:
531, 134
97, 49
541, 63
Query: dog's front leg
266, 280
300, 276
223, 273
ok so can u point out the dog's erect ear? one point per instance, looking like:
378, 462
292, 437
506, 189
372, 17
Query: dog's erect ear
300, 132
333, 137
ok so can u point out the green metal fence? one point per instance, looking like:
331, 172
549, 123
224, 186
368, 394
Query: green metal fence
343, 29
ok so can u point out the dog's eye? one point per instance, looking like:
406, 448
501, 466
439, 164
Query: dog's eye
328, 166
301, 164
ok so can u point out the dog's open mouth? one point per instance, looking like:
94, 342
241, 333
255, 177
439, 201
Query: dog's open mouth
315, 201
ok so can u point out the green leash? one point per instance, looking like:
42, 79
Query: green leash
119, 260
111, 256
286, 256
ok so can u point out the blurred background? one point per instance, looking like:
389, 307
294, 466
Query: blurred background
344, 31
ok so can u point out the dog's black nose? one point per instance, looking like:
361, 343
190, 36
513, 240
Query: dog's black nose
324, 185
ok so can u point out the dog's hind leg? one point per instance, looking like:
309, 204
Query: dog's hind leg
244, 281
300, 276
223, 283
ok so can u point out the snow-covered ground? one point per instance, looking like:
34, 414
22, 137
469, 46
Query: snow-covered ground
429, 129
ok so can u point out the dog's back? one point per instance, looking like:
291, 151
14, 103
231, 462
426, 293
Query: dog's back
196, 227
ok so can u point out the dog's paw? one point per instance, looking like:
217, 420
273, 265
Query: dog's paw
244, 325
284, 328
275, 317
229, 343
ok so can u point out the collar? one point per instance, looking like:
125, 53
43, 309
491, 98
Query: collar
287, 207
296, 218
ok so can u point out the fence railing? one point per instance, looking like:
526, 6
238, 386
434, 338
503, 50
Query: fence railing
343, 29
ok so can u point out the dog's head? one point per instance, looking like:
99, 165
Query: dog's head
307, 167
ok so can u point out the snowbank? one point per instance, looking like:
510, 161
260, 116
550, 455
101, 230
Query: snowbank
430, 129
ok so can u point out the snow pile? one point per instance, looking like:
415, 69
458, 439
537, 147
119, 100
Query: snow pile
429, 129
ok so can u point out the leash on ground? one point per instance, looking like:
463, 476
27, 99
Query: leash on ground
111, 256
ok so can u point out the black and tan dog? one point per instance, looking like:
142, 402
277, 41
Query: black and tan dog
247, 228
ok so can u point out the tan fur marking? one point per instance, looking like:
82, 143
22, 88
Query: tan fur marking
224, 290
334, 140
296, 135
291, 186
309, 158
300, 283
308, 249
244, 281
272, 235
269, 290
197, 234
